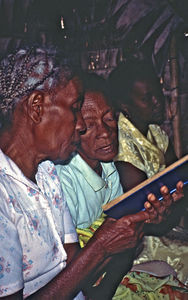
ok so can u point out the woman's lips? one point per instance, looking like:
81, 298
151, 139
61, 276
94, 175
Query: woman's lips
106, 149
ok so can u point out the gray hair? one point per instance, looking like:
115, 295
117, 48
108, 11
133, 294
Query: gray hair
27, 70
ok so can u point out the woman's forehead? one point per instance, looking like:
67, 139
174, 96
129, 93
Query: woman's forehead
96, 98
147, 82
77, 81
70, 93
142, 86
76, 84
73, 85
94, 106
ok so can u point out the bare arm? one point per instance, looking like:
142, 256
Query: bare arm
116, 269
110, 239
130, 176
72, 251
120, 264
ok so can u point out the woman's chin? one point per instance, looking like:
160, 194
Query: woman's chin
107, 157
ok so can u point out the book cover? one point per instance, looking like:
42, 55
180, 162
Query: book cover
133, 201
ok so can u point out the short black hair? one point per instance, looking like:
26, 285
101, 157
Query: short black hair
95, 83
122, 78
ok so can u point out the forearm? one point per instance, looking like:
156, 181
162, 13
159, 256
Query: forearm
116, 269
130, 176
73, 278
72, 250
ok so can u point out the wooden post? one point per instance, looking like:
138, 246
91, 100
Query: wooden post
174, 105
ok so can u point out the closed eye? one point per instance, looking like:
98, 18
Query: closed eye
109, 117
76, 107
89, 125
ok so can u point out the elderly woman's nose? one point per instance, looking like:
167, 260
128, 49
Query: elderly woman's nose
103, 130
80, 125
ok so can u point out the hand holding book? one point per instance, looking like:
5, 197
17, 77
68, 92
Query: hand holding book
115, 238
162, 208
133, 201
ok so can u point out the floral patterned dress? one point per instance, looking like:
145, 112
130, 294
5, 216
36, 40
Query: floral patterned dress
34, 224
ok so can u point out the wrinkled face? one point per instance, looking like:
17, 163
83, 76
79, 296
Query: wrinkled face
147, 101
99, 143
62, 124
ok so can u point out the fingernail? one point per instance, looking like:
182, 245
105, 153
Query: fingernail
164, 189
181, 185
151, 197
147, 205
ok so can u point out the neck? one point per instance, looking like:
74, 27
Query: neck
137, 121
94, 164
21, 151
98, 169
141, 126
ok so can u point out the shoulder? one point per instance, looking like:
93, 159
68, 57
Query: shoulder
47, 171
157, 135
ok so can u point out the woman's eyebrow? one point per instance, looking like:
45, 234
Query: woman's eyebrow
108, 110
148, 94
88, 117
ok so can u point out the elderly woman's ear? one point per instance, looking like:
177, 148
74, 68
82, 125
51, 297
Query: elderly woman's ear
35, 106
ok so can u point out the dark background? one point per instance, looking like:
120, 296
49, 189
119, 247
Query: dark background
100, 33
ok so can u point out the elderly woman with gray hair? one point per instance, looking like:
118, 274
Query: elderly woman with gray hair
40, 101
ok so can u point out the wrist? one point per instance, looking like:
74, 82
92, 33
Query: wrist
98, 247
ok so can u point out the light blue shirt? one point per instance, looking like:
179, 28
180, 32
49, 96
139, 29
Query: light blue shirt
85, 191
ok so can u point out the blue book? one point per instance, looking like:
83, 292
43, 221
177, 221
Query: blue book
133, 201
